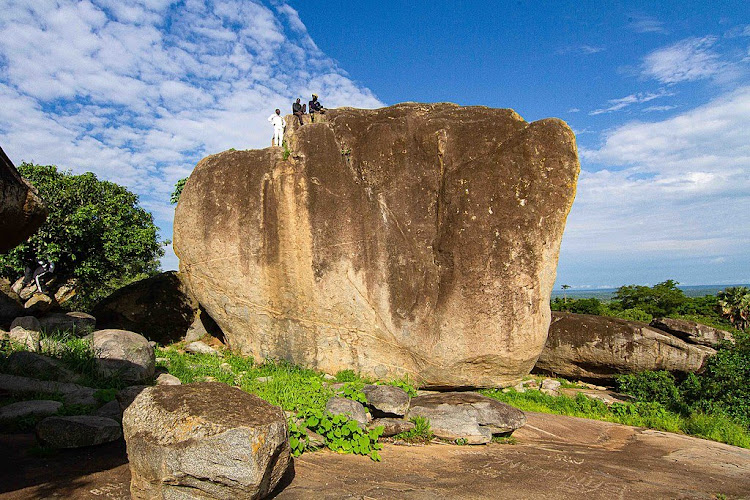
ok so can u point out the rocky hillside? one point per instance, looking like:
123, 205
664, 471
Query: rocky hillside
419, 239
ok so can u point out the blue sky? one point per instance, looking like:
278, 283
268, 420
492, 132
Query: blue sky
658, 94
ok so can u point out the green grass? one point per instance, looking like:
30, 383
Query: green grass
652, 415
421, 433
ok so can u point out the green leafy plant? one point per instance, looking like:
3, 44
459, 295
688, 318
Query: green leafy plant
353, 391
346, 376
406, 385
287, 151
177, 192
340, 433
734, 303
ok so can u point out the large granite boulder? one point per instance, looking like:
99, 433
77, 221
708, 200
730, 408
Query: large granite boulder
22, 210
123, 354
160, 308
418, 239
587, 347
693, 332
204, 440
467, 416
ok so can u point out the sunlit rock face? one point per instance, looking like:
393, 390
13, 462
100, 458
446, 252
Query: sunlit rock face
418, 239
22, 211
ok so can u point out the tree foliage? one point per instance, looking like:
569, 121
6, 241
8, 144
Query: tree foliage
95, 233
179, 185
662, 299
735, 305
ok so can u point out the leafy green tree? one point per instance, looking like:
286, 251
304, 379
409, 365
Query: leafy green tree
662, 299
96, 233
175, 198
735, 305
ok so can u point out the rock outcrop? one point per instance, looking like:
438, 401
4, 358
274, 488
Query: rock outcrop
692, 332
588, 347
22, 211
160, 308
419, 239
204, 440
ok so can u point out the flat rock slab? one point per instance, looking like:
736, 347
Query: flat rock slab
555, 458
348, 407
37, 408
72, 393
466, 415
42, 367
78, 431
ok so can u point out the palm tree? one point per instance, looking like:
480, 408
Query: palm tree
735, 305
565, 297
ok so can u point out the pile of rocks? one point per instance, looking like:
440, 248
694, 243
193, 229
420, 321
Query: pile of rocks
118, 353
466, 417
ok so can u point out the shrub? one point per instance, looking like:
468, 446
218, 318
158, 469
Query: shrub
658, 386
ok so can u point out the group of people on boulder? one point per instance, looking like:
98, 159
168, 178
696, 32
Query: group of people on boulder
298, 110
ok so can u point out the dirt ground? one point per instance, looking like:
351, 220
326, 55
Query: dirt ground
555, 458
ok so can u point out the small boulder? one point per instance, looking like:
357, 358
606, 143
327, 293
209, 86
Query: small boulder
79, 323
391, 426
126, 396
124, 354
42, 367
551, 387
71, 393
24, 291
39, 303
77, 431
467, 415
344, 406
386, 400
199, 347
27, 338
206, 440
67, 291
167, 379
10, 306
38, 408
110, 410
29, 323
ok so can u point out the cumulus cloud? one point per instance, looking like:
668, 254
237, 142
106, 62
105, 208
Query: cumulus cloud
676, 187
139, 91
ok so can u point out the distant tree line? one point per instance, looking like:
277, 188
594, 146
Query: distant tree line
729, 308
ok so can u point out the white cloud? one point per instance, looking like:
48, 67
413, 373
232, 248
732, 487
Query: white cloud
646, 24
687, 60
676, 187
624, 102
650, 109
138, 92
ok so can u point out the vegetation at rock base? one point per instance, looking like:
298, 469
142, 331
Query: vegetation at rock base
340, 433
95, 233
653, 415
421, 433
734, 303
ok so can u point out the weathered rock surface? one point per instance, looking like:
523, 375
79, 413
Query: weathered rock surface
418, 239
583, 346
77, 431
41, 367
39, 303
10, 304
348, 407
160, 308
36, 408
110, 410
199, 347
167, 379
29, 323
22, 210
126, 396
27, 338
467, 415
72, 393
78, 322
204, 440
386, 400
692, 332
124, 354
391, 426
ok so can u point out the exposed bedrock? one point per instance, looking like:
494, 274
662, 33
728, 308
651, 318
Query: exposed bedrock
418, 239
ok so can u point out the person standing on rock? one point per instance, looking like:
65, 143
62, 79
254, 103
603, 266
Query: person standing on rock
298, 110
315, 107
278, 127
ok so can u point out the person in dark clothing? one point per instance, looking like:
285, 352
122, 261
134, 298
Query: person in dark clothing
42, 269
298, 110
315, 107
